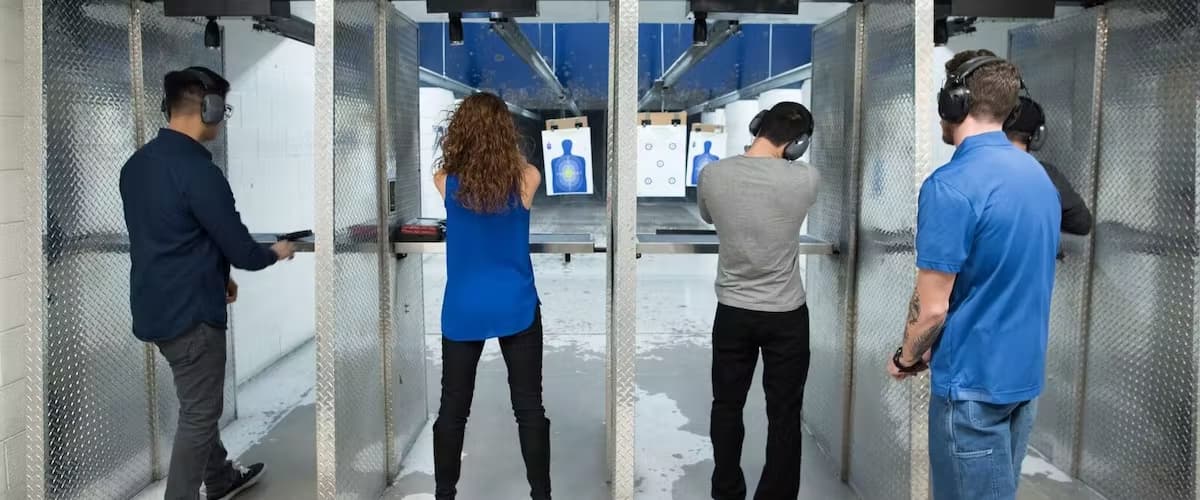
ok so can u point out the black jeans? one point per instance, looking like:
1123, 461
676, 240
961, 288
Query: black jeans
197, 361
523, 357
738, 335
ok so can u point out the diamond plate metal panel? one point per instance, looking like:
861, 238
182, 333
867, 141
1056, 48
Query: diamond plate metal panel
837, 59
924, 112
169, 44
98, 442
888, 444
410, 408
1058, 60
34, 152
622, 244
325, 230
1139, 435
357, 337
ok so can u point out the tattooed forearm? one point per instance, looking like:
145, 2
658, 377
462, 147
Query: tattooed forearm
914, 308
921, 332
925, 339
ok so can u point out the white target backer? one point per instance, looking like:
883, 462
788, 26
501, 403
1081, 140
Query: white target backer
662, 154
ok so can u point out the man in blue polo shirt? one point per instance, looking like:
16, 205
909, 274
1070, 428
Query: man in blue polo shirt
987, 235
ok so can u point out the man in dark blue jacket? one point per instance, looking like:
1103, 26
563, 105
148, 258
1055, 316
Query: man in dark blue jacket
184, 235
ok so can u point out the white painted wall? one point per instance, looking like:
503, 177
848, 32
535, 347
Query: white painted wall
271, 171
13, 297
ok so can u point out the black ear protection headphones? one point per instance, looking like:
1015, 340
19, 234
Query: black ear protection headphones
954, 99
1037, 138
794, 150
212, 104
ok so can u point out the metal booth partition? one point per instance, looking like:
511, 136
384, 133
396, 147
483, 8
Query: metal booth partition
1061, 62
408, 405
101, 404
621, 279
889, 425
370, 338
1118, 87
830, 283
1139, 436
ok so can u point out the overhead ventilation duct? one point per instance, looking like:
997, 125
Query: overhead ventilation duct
272, 16
747, 6
454, 10
508, 8
226, 8
1041, 9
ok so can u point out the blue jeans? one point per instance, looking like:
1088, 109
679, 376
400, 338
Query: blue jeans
976, 449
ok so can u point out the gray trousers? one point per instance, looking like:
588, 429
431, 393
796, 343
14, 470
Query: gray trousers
197, 361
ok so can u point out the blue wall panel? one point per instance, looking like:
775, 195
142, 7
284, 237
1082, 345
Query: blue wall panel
581, 58
579, 55
432, 41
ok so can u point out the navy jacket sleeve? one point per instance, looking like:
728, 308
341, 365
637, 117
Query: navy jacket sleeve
1076, 218
211, 201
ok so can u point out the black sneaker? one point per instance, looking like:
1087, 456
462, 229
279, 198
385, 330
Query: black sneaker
244, 478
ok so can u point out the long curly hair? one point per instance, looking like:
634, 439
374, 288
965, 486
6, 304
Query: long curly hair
481, 148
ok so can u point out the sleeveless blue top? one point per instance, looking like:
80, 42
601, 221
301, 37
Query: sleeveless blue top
489, 275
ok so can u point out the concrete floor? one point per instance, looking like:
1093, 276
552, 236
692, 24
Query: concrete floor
675, 310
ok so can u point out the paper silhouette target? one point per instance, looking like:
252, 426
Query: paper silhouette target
703, 148
568, 161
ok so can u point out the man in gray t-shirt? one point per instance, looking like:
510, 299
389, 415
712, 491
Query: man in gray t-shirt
757, 201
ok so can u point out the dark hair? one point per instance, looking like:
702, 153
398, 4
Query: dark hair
186, 87
481, 147
1028, 119
786, 122
994, 87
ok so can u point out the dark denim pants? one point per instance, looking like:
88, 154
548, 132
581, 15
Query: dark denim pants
197, 360
976, 449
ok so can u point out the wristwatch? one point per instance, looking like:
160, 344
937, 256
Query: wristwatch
919, 366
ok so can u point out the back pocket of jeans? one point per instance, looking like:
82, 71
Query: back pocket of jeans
966, 455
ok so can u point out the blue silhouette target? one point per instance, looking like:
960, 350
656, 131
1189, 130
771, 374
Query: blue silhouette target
569, 171
704, 147
701, 160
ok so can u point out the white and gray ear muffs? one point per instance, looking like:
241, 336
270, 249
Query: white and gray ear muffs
212, 109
